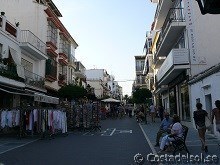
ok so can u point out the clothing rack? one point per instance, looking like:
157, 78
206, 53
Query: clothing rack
87, 116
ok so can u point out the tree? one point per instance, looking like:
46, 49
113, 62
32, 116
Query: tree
128, 99
141, 95
72, 92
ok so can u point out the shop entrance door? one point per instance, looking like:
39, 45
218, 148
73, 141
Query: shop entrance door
208, 106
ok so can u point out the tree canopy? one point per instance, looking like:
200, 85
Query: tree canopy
141, 95
72, 92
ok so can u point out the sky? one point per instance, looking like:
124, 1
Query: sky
109, 34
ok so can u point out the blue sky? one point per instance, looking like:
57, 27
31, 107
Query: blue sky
109, 33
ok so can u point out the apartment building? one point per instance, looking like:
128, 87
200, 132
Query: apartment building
148, 68
115, 88
186, 57
47, 48
80, 76
140, 79
98, 79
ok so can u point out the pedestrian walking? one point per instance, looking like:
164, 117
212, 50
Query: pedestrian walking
152, 112
161, 112
216, 115
199, 118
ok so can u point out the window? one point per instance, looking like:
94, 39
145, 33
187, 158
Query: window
137, 65
27, 65
52, 33
64, 45
62, 69
142, 65
1, 50
181, 42
41, 1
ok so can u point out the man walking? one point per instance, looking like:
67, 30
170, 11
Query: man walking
216, 115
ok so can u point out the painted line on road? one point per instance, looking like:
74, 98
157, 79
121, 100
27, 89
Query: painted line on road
148, 140
199, 145
18, 146
112, 132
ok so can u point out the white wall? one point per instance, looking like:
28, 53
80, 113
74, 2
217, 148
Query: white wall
207, 40
98, 89
30, 15
7, 41
95, 74
209, 85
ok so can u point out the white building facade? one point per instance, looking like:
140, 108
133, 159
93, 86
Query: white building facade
47, 48
98, 79
185, 50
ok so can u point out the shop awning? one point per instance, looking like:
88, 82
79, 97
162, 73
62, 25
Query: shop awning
16, 92
45, 98
20, 68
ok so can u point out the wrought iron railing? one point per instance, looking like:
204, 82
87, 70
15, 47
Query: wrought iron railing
174, 15
28, 37
33, 79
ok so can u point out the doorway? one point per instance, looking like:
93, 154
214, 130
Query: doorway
208, 106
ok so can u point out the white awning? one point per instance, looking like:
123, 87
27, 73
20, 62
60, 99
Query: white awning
17, 60
45, 98
16, 93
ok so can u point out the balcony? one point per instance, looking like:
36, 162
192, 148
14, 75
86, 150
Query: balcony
162, 10
171, 31
176, 62
72, 61
80, 74
34, 80
62, 79
33, 44
63, 51
158, 61
51, 70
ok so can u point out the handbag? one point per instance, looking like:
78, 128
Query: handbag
207, 122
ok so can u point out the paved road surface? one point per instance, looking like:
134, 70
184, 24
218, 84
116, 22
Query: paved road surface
116, 144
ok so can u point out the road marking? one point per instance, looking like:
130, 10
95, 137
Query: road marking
148, 140
112, 132
18, 146
87, 134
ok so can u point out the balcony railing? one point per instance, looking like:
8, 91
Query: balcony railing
63, 49
172, 29
33, 79
174, 15
175, 57
62, 79
28, 37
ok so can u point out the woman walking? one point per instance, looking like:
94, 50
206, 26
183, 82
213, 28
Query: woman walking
199, 118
